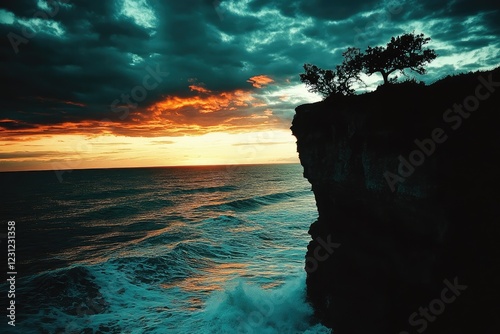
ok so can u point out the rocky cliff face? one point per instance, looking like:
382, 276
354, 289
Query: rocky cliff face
406, 181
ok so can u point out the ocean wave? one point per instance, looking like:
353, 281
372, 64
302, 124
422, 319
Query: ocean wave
107, 298
229, 223
224, 221
137, 252
203, 190
197, 250
246, 308
154, 269
71, 291
114, 209
253, 203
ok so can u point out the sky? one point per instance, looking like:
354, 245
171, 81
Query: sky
127, 83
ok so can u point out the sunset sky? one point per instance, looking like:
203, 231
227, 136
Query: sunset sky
123, 83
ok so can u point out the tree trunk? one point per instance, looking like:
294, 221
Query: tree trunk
385, 75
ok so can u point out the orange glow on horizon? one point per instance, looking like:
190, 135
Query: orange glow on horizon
69, 152
205, 127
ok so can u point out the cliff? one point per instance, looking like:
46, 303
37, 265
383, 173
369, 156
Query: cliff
407, 186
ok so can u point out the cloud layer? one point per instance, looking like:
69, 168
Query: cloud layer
169, 68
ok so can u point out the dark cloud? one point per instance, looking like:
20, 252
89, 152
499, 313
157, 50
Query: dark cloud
462, 8
90, 53
321, 9
21, 8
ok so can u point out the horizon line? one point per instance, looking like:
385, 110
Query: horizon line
137, 167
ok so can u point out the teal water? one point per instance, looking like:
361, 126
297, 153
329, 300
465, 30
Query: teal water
161, 250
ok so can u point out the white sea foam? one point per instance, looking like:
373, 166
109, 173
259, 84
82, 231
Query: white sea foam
240, 307
246, 309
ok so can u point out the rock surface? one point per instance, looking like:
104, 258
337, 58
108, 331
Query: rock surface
407, 186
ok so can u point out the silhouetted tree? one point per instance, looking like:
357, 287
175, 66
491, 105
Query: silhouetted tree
402, 52
349, 71
319, 81
338, 81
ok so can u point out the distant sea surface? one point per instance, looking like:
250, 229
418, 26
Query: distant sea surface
159, 250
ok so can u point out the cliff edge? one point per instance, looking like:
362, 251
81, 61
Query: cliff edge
407, 186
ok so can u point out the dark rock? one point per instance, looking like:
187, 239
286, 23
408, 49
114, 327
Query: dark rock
399, 245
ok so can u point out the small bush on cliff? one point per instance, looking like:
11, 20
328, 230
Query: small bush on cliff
401, 53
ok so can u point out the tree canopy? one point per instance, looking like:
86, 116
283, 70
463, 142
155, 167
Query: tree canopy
401, 53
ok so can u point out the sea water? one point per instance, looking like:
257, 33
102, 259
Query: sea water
160, 250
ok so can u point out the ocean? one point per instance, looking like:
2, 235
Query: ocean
159, 250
